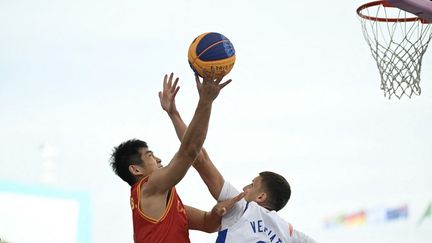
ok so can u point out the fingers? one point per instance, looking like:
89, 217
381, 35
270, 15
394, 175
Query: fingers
175, 92
212, 72
238, 197
223, 211
165, 82
228, 204
168, 84
222, 207
222, 85
220, 77
197, 81
174, 86
170, 79
216, 79
204, 75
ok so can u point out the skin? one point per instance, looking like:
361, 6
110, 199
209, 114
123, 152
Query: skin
203, 164
155, 193
255, 192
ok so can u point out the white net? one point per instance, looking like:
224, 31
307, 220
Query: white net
398, 43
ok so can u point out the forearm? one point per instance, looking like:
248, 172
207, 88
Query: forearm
179, 124
213, 222
208, 172
190, 147
192, 137
196, 133
204, 221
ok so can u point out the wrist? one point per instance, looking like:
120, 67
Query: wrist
205, 102
172, 113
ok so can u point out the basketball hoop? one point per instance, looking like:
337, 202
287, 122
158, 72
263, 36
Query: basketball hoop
397, 40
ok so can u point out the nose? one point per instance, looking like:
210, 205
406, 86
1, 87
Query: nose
246, 188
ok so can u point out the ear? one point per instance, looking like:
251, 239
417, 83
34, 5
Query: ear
136, 170
262, 198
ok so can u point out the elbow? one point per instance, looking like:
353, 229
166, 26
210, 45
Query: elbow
213, 222
211, 228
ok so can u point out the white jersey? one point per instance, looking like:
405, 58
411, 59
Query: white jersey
251, 223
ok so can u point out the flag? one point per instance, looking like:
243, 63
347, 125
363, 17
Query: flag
426, 214
397, 213
355, 219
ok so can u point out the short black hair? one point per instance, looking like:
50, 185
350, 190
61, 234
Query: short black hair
278, 189
127, 153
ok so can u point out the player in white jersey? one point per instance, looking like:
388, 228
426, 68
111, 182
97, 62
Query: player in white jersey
254, 218
250, 222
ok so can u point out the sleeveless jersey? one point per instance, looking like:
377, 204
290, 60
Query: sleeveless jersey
171, 227
252, 223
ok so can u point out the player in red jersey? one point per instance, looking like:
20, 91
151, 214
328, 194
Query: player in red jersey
158, 213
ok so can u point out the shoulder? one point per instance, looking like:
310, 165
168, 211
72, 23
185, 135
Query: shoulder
140, 184
300, 237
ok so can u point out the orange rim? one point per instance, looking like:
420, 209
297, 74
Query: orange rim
386, 5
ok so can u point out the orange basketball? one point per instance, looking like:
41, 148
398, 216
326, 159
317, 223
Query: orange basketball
211, 50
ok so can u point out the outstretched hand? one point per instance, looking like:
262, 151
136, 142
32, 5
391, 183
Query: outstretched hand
210, 87
223, 207
168, 93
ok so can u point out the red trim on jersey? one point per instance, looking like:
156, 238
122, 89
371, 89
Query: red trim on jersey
290, 229
168, 206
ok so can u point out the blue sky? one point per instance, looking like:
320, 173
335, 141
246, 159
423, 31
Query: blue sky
82, 76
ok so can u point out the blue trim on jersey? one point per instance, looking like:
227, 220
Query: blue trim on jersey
247, 205
222, 236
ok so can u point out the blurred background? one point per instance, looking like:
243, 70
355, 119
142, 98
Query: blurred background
79, 77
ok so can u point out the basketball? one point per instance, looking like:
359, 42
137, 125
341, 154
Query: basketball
211, 50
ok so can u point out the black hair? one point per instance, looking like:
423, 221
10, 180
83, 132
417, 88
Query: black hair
124, 155
277, 188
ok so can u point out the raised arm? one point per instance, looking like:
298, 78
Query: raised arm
208, 172
194, 136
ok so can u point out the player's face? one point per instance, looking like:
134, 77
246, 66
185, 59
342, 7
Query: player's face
254, 191
150, 161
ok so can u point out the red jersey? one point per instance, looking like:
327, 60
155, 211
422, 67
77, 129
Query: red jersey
172, 227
